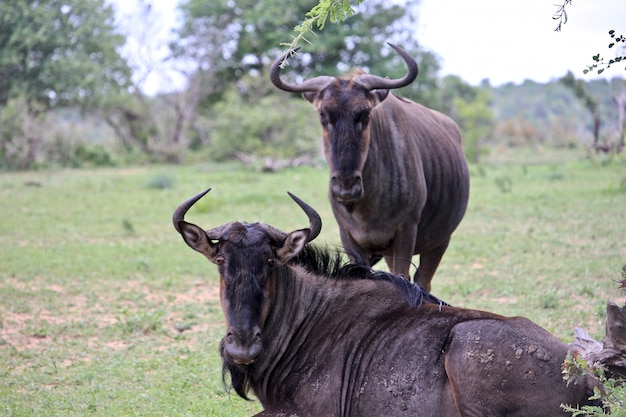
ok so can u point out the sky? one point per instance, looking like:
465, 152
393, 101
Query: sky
514, 40
499, 40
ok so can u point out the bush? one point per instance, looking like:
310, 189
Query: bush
21, 133
264, 125
613, 396
74, 152
31, 138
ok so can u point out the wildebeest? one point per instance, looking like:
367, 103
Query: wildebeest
312, 337
399, 182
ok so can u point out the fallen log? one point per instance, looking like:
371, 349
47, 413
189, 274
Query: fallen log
610, 354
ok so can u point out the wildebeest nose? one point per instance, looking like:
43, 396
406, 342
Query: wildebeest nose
245, 347
346, 188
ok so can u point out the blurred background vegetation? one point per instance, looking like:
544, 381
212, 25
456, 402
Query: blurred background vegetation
71, 95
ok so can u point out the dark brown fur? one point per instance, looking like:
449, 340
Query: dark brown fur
313, 338
415, 181
399, 182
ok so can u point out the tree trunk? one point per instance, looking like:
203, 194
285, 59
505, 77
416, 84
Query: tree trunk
596, 129
620, 101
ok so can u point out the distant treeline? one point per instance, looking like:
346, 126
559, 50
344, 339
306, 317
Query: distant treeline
72, 86
551, 114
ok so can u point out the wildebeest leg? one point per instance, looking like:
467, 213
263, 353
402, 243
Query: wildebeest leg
429, 261
403, 244
374, 259
356, 255
399, 266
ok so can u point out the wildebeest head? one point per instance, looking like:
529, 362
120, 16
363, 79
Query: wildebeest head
246, 255
344, 106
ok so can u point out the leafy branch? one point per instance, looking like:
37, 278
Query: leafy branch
335, 10
599, 62
561, 15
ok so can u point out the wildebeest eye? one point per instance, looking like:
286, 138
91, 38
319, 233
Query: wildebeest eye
362, 117
219, 259
323, 117
271, 262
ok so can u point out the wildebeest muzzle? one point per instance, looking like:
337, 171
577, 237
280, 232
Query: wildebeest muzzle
346, 188
241, 346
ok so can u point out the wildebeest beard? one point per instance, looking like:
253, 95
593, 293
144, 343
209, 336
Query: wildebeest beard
240, 375
329, 263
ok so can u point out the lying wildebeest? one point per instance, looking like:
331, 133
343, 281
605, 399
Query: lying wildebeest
399, 181
313, 338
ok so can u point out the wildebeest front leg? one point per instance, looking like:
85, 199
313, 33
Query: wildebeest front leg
400, 260
355, 253
429, 261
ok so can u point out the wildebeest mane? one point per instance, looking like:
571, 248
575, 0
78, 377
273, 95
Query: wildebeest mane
327, 262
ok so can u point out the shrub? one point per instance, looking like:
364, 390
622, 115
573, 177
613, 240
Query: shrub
264, 125
613, 396
31, 138
21, 133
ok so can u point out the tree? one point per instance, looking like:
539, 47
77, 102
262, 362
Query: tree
53, 54
452, 89
156, 127
225, 45
59, 52
590, 103
620, 102
470, 108
253, 35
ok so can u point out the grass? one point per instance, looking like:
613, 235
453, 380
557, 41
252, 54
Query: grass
104, 311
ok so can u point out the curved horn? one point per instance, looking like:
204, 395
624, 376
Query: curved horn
374, 82
314, 84
315, 221
179, 213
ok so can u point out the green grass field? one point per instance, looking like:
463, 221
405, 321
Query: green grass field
104, 311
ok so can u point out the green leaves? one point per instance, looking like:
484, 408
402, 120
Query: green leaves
59, 52
336, 10
599, 64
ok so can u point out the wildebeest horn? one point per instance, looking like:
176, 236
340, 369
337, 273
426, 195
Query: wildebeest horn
374, 82
179, 215
315, 221
314, 84
371, 82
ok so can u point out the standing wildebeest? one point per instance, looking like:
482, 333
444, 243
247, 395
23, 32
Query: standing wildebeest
311, 337
399, 182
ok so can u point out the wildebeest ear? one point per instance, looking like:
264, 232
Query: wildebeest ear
310, 95
294, 243
380, 94
197, 239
